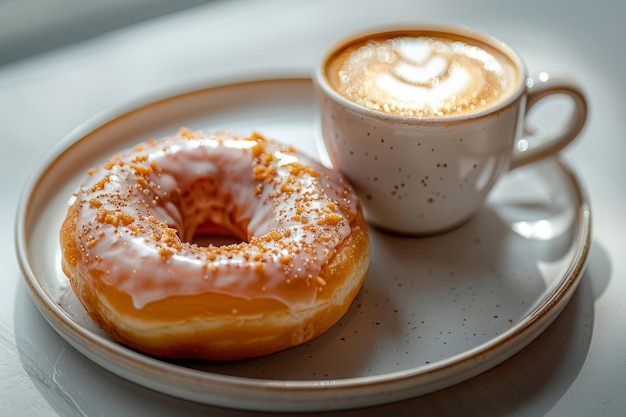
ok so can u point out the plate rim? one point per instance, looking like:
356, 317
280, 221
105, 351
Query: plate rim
295, 394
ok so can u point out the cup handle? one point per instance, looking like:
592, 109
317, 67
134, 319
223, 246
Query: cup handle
538, 88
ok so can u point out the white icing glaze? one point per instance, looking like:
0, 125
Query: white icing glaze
289, 217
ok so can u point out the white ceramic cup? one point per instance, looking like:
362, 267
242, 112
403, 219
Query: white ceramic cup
425, 175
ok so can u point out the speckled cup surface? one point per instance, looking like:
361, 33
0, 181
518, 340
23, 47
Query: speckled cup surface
425, 175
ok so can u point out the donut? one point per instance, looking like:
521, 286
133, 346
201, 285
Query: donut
130, 246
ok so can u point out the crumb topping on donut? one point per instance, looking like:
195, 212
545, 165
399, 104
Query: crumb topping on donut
140, 210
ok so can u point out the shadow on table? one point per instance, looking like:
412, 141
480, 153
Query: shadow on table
544, 370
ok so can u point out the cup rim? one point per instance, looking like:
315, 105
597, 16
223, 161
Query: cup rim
322, 81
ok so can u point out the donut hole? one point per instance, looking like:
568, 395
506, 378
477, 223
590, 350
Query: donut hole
214, 240
209, 216
212, 234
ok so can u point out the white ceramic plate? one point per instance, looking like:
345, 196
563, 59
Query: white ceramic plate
433, 311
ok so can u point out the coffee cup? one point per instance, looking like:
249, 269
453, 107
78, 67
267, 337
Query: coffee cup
424, 121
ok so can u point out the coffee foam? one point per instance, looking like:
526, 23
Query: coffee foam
422, 76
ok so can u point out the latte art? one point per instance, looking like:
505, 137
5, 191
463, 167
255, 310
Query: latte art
422, 76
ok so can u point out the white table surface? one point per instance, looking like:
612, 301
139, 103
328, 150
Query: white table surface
577, 367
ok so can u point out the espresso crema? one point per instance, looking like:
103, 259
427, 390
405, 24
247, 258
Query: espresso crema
422, 76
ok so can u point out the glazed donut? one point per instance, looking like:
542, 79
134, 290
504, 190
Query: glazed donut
128, 248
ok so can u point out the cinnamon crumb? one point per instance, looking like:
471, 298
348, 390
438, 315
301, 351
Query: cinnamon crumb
257, 150
143, 183
329, 220
114, 218
262, 172
257, 136
298, 169
141, 169
99, 186
125, 218
165, 252
274, 235
140, 158
185, 132
113, 161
